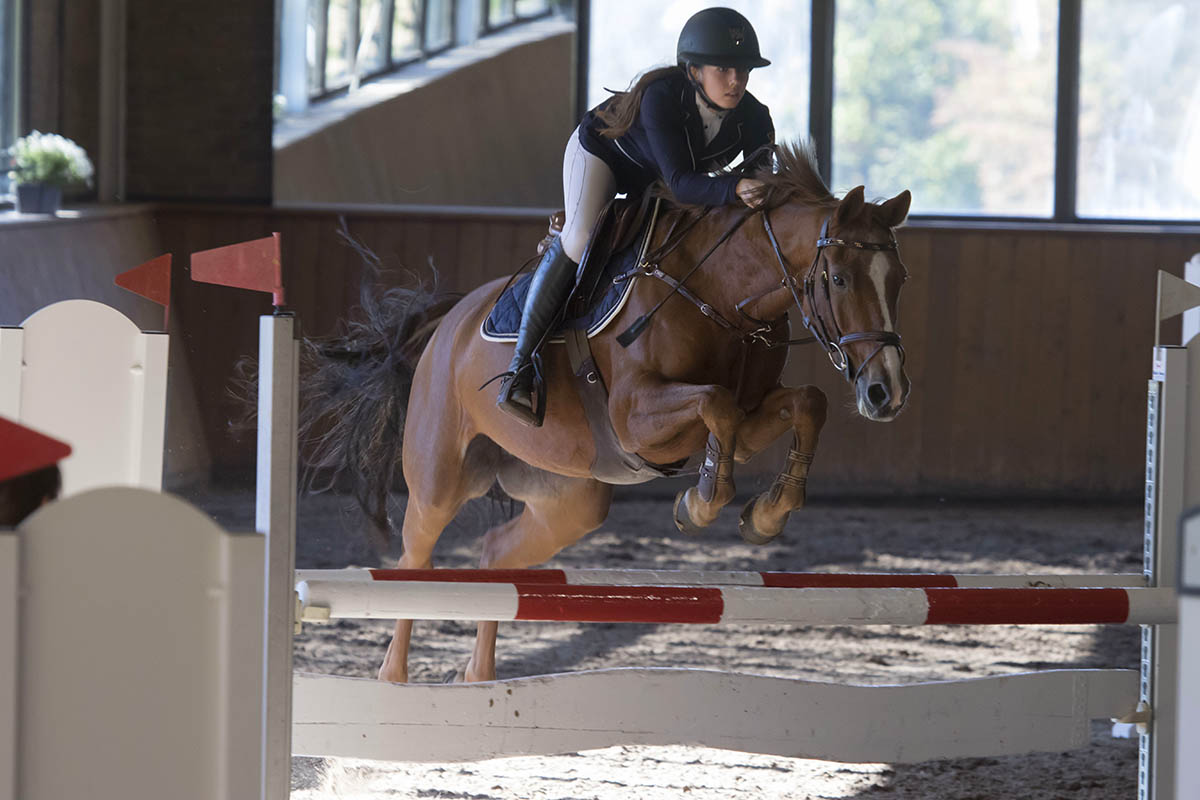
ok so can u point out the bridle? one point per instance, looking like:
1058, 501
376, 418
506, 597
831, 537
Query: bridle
827, 332
824, 331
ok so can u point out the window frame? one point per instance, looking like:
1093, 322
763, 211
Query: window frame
14, 79
486, 27
1066, 135
390, 64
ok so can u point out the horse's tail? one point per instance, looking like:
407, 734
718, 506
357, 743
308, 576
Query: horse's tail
355, 387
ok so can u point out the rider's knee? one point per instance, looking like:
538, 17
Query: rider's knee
574, 242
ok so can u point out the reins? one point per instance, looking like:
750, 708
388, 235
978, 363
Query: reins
649, 267
825, 332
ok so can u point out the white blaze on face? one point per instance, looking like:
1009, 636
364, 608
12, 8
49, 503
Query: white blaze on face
889, 356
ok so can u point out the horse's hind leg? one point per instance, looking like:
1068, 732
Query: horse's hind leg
435, 495
803, 410
558, 511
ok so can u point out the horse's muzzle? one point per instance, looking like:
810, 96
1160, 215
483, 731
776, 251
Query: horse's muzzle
882, 390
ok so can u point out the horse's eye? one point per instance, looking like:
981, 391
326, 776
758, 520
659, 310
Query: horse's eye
839, 281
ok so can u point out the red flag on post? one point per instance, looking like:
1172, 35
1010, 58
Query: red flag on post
24, 450
254, 265
152, 281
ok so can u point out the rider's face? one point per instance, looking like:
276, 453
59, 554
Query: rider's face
725, 86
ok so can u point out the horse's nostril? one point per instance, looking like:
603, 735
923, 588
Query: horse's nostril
877, 395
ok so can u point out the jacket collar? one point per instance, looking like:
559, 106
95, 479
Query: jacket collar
726, 139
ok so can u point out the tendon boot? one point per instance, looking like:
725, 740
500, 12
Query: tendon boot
548, 289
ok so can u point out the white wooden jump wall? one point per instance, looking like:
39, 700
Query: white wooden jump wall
143, 647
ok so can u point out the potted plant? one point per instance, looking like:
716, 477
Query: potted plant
41, 166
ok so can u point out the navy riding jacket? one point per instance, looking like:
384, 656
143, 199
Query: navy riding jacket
666, 141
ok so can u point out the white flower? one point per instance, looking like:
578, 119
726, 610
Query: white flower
49, 158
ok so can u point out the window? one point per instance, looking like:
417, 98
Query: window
955, 101
9, 81
1139, 110
502, 13
347, 41
617, 58
1021, 109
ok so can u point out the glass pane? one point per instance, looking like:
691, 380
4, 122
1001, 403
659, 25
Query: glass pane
8, 99
340, 42
315, 37
616, 58
1139, 110
371, 54
438, 29
528, 8
955, 101
406, 38
500, 12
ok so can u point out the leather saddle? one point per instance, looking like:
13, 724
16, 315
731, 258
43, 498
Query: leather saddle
618, 226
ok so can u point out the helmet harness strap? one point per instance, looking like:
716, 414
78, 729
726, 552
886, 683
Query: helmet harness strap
687, 68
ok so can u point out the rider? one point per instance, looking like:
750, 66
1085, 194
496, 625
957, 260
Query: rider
677, 124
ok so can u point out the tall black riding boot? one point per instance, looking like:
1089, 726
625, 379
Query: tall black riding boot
548, 289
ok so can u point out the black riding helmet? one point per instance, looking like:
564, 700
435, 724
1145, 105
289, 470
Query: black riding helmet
721, 37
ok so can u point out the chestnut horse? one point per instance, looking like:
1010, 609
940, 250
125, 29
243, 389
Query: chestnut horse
693, 382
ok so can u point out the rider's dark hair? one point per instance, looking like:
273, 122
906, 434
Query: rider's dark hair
619, 115
24, 494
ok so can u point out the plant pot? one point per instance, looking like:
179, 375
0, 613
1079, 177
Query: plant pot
38, 198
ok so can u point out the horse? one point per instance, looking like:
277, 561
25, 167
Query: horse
703, 377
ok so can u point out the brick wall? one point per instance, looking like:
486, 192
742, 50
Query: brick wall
198, 100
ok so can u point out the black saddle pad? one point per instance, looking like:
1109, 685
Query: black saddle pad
604, 305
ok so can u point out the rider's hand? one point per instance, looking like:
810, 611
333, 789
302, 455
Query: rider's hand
750, 191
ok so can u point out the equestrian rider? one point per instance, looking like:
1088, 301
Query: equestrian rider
677, 124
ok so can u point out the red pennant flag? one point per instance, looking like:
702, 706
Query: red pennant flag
24, 450
151, 280
253, 265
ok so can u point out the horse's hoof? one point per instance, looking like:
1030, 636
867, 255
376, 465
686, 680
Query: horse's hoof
683, 520
455, 676
749, 531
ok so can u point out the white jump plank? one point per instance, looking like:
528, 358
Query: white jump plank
9, 597
1034, 712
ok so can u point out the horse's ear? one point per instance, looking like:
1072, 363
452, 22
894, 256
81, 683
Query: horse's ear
851, 205
895, 211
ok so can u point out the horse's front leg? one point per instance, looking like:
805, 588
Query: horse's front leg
803, 410
661, 416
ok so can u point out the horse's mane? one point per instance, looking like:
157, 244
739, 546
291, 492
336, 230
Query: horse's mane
793, 175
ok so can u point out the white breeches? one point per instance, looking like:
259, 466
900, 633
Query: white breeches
588, 184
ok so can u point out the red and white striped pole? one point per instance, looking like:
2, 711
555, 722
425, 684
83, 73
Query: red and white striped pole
792, 580
436, 600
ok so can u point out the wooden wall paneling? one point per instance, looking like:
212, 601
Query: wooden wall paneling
1052, 334
969, 434
1082, 268
1099, 310
996, 352
525, 238
499, 247
444, 239
933, 414
472, 257
1033, 366
418, 247
298, 248
1124, 327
